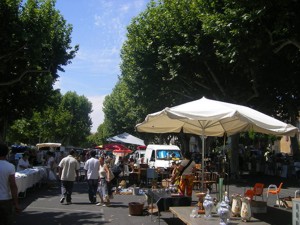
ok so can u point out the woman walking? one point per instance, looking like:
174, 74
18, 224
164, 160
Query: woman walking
104, 177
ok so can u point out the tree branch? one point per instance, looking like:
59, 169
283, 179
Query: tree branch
254, 88
215, 78
287, 42
12, 53
11, 82
283, 42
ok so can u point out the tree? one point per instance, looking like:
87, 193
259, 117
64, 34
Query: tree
79, 124
67, 122
35, 43
120, 111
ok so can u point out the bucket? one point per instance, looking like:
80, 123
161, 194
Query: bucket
135, 208
136, 191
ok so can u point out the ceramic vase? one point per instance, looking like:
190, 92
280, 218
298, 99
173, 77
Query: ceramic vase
224, 213
236, 205
246, 209
208, 205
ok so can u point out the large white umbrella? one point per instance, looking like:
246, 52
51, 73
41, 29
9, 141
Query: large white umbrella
207, 117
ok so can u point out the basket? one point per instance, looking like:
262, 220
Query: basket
135, 208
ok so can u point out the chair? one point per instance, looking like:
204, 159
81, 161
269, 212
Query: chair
274, 190
257, 190
196, 182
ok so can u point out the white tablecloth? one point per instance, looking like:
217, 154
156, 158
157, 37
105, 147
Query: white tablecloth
29, 177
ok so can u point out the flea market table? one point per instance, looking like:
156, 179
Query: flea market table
183, 213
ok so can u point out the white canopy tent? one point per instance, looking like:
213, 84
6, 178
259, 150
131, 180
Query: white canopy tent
207, 117
126, 138
50, 145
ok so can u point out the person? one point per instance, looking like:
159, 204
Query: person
68, 173
23, 163
91, 168
51, 168
175, 175
111, 179
187, 169
103, 180
8, 188
60, 156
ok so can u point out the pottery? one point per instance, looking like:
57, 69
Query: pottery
208, 205
236, 205
246, 209
224, 213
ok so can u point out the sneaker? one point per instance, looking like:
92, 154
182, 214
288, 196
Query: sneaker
99, 204
104, 205
69, 203
62, 200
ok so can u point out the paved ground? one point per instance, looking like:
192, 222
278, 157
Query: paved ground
41, 206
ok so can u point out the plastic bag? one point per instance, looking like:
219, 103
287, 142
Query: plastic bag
52, 176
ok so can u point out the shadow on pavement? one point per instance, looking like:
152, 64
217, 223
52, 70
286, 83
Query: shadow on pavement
59, 218
275, 216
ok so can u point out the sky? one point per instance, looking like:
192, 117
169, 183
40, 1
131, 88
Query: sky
99, 28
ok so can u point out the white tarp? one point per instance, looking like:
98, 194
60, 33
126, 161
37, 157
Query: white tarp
126, 138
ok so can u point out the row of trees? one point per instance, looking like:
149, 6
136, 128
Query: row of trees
35, 43
244, 52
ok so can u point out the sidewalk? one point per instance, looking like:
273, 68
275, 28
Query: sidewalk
42, 207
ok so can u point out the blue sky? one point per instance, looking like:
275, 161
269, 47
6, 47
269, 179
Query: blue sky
99, 27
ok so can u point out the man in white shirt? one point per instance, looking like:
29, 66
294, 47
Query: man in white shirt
8, 188
91, 168
68, 173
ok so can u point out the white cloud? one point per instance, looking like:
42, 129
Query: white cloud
97, 115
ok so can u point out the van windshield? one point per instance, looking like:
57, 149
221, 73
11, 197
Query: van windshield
168, 154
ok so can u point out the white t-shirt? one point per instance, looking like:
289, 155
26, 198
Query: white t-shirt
92, 167
6, 169
22, 162
189, 169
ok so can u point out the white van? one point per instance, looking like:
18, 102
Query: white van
139, 156
162, 155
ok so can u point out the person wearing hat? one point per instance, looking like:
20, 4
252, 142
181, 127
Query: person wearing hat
23, 162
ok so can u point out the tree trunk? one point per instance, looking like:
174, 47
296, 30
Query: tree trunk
234, 160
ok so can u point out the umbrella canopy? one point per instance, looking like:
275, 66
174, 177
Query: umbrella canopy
207, 117
122, 152
112, 147
126, 138
213, 118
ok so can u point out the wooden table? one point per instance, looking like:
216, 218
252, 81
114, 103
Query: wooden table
183, 213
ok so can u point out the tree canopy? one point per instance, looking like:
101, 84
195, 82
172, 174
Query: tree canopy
67, 122
240, 52
35, 43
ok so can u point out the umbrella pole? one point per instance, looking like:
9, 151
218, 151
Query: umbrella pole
202, 166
